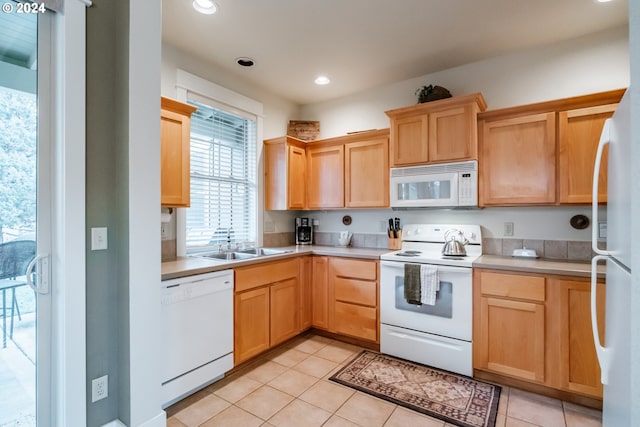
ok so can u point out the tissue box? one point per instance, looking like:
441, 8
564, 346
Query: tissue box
524, 253
344, 238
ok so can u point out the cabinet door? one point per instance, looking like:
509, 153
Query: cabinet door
284, 310
251, 324
296, 177
305, 287
509, 324
325, 186
453, 134
320, 292
409, 140
518, 160
367, 174
512, 338
578, 136
174, 157
275, 178
579, 370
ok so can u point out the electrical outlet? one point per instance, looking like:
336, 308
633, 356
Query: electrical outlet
508, 228
99, 388
99, 240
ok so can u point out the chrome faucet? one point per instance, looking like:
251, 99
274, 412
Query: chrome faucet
229, 238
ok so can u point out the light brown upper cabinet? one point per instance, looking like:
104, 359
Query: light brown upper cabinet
435, 132
349, 171
325, 169
366, 171
544, 153
175, 137
578, 136
518, 160
285, 164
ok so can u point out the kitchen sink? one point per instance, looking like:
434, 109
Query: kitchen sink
229, 256
244, 254
263, 251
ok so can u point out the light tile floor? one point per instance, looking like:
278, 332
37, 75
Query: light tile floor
291, 387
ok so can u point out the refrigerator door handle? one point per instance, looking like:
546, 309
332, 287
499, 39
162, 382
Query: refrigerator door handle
603, 353
604, 140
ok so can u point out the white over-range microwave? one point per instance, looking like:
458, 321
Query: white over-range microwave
439, 185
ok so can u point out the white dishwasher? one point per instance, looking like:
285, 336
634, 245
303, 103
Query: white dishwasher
197, 329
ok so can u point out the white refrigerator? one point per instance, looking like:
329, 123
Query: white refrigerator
614, 353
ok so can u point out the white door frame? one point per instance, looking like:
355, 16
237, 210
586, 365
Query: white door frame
68, 382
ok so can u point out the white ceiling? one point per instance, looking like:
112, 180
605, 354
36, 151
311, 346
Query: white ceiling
362, 44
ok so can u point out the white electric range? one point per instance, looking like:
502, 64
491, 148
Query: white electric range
438, 335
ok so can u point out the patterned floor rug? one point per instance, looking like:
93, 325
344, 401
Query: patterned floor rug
456, 399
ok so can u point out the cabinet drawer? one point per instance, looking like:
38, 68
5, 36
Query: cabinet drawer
355, 268
513, 286
355, 320
263, 274
355, 291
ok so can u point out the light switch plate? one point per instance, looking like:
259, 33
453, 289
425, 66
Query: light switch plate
99, 239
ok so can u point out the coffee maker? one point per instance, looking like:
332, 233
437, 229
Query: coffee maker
304, 231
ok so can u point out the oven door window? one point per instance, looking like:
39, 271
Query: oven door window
442, 308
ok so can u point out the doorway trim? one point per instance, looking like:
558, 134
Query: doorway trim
68, 389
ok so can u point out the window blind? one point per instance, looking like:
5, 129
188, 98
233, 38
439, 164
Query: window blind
223, 178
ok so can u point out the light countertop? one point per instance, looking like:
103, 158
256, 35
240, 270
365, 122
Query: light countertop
191, 265
538, 265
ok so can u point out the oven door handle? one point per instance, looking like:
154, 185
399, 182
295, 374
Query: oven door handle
441, 268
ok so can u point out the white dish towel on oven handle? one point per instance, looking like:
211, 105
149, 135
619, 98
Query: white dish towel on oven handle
429, 284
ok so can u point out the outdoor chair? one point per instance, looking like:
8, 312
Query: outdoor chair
15, 257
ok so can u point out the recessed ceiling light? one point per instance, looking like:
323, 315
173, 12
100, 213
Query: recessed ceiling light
245, 62
205, 6
322, 80
604, 1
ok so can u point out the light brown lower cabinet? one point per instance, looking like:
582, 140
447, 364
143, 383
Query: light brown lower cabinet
305, 288
578, 368
275, 301
266, 307
536, 328
353, 298
283, 297
251, 321
320, 292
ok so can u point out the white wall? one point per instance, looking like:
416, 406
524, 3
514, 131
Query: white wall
277, 111
589, 64
529, 223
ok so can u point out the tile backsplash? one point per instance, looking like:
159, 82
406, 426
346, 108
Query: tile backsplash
551, 249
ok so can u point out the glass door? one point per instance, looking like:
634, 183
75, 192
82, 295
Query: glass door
24, 216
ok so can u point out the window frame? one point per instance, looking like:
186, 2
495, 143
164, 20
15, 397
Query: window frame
192, 87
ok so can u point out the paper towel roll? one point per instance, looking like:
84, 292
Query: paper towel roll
165, 217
